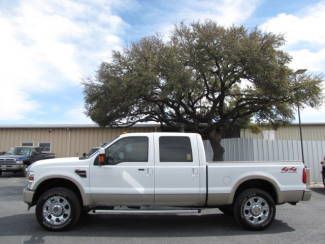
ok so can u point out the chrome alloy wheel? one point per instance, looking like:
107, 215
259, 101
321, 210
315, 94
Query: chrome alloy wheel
56, 210
256, 210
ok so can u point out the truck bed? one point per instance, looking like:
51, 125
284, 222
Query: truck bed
224, 177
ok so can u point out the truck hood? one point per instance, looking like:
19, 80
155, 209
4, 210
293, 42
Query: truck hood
16, 157
55, 162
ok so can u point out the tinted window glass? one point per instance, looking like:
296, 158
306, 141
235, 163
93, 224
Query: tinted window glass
27, 144
175, 149
131, 149
45, 146
20, 151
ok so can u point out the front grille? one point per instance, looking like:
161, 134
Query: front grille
7, 161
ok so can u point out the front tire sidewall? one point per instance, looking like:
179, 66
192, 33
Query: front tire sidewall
74, 204
239, 213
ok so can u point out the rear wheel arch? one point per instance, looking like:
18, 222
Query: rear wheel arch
263, 184
57, 182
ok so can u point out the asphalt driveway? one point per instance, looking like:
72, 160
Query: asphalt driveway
304, 223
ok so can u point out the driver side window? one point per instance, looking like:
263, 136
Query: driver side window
130, 149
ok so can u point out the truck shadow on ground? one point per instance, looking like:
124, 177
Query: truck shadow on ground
129, 226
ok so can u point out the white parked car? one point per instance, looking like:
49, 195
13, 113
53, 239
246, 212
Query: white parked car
149, 171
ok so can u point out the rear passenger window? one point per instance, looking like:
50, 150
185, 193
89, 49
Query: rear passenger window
175, 149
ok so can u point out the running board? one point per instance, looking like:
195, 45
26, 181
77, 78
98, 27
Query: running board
149, 211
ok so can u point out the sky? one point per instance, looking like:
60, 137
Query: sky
49, 47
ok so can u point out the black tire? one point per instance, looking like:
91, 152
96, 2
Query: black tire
67, 195
240, 211
84, 213
0, 172
227, 210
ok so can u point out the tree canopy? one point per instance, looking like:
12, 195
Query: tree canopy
207, 79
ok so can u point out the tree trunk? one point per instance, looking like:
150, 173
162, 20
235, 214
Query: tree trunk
215, 137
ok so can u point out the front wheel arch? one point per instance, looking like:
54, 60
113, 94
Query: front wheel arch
56, 182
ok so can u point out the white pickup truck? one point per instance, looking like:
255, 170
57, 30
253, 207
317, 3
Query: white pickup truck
161, 172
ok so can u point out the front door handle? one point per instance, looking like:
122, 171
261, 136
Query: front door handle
144, 169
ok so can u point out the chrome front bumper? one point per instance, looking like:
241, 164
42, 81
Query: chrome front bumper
307, 195
28, 196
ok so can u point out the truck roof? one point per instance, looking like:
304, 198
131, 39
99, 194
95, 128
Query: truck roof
161, 133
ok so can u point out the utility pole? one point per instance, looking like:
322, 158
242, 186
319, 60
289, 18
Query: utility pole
299, 72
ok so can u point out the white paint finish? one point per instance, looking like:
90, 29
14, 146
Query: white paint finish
63, 168
236, 173
168, 183
177, 183
124, 179
131, 182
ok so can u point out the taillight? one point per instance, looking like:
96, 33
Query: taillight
304, 176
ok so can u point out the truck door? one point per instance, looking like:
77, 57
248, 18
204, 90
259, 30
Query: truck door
177, 178
127, 178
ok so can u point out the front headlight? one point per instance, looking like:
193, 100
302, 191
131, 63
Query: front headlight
30, 175
19, 162
29, 179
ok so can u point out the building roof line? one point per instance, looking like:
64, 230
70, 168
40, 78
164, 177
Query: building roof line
52, 126
142, 125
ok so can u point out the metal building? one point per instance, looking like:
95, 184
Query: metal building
269, 144
310, 132
63, 140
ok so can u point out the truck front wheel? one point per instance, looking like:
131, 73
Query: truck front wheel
58, 209
254, 209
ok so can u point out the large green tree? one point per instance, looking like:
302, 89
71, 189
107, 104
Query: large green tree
207, 79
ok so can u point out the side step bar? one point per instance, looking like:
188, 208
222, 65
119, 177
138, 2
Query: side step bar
149, 211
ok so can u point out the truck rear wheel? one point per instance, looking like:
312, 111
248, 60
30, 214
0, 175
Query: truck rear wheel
254, 209
58, 209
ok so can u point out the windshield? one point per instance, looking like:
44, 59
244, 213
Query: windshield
19, 151
92, 151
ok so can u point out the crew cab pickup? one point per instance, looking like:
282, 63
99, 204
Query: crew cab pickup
18, 158
161, 172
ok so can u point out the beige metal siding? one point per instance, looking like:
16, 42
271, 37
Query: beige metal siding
309, 132
64, 141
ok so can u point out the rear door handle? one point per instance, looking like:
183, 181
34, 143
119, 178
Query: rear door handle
141, 169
